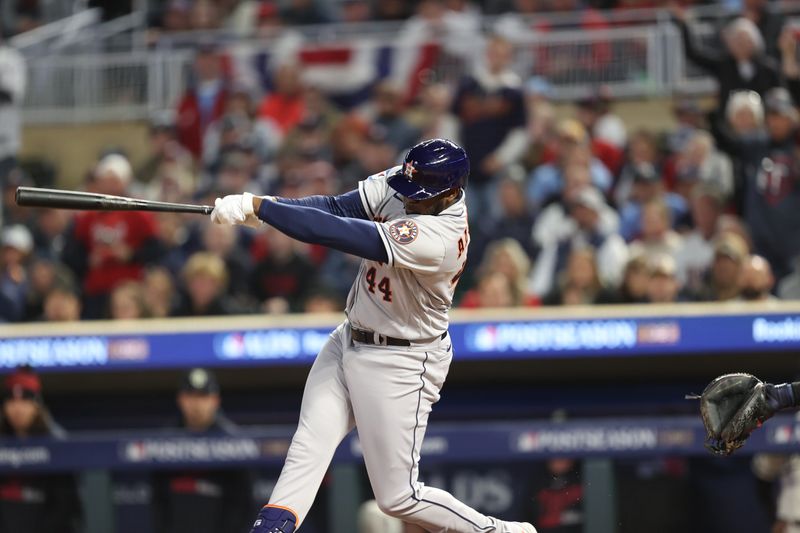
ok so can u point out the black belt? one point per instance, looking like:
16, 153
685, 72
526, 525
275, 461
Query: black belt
370, 337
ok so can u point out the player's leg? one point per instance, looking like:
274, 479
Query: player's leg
392, 391
325, 419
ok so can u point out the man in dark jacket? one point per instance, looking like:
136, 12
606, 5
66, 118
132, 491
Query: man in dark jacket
743, 64
202, 501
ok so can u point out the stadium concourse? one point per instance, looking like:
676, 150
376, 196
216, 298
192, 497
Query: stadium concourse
570, 204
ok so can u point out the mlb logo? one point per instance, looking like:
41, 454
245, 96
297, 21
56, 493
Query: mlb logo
409, 169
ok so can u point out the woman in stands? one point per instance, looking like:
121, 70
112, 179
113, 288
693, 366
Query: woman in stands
34, 503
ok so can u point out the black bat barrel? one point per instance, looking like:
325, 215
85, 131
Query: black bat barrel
87, 201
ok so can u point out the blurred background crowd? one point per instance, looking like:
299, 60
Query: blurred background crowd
569, 204
565, 208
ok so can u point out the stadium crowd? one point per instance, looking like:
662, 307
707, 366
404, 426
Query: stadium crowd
570, 210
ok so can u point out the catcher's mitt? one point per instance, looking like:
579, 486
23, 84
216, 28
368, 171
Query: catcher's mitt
732, 406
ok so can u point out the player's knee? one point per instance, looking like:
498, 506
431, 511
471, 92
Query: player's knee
396, 505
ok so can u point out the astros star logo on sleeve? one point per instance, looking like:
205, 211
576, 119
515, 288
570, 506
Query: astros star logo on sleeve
404, 231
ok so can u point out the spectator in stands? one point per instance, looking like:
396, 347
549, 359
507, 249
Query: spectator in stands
583, 220
204, 101
282, 278
35, 503
700, 162
49, 232
697, 249
663, 286
303, 12
205, 280
105, 248
724, 277
285, 106
790, 66
434, 114
594, 112
770, 172
579, 283
635, 281
514, 219
757, 280
12, 91
642, 156
490, 107
241, 125
392, 10
222, 241
742, 65
572, 148
44, 274
17, 244
507, 257
163, 146
388, 109
492, 290
354, 11
323, 300
127, 302
789, 286
202, 500
61, 304
159, 292
347, 140
689, 118
648, 187
204, 15
556, 502
657, 236
768, 21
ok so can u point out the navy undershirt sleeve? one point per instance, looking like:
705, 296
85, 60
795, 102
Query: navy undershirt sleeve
345, 205
317, 226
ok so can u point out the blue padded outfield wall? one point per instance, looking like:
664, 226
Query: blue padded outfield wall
533, 334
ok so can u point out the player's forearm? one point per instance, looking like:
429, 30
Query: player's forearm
344, 205
784, 396
315, 226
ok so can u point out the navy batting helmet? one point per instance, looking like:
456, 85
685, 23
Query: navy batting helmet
431, 168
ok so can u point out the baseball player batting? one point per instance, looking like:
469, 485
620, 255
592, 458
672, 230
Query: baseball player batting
382, 369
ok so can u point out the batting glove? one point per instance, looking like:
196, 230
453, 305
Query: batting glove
235, 209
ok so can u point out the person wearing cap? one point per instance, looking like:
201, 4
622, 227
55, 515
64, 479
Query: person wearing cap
757, 280
202, 500
647, 186
40, 503
204, 101
572, 147
583, 219
663, 287
16, 244
766, 155
163, 147
724, 277
105, 248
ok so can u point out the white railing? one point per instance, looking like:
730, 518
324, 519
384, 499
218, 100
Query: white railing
635, 61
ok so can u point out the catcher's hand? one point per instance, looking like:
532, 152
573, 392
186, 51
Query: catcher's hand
732, 406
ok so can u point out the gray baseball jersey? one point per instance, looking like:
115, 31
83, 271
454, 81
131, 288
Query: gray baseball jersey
408, 297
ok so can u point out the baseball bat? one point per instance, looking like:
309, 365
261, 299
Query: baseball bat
89, 201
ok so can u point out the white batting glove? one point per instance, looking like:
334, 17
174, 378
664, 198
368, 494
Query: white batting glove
235, 209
